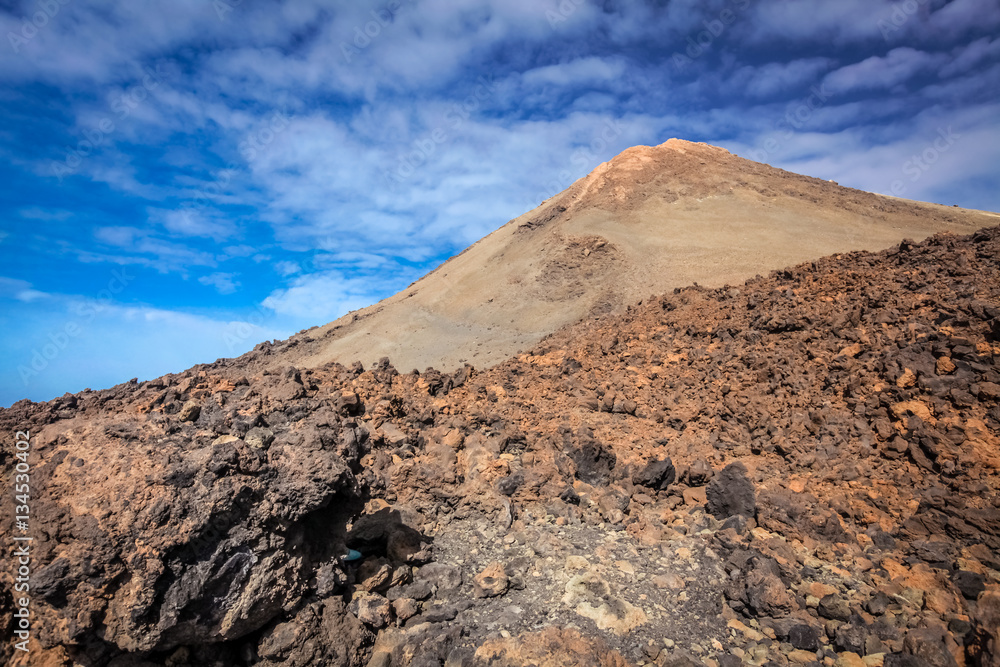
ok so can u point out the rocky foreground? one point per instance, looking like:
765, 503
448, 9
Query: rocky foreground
800, 470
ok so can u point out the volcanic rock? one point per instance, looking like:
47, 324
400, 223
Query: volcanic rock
290, 531
656, 475
731, 492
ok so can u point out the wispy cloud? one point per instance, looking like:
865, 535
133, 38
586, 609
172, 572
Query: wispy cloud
224, 283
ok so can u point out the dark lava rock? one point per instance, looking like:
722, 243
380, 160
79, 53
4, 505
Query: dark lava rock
904, 660
971, 584
851, 638
804, 637
731, 492
569, 495
729, 660
877, 604
510, 484
834, 608
594, 461
930, 645
656, 475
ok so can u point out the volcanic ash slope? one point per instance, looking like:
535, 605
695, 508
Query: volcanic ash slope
650, 220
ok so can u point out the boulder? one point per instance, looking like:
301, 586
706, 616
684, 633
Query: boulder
731, 492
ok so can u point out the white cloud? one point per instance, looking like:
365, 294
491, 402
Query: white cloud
773, 79
958, 16
112, 343
140, 250
321, 298
286, 268
968, 56
878, 72
44, 214
224, 283
861, 158
581, 71
842, 22
192, 222
21, 290
122, 237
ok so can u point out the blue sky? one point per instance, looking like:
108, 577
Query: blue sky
185, 179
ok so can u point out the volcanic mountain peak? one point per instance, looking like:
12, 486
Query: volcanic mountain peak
666, 151
650, 219
670, 167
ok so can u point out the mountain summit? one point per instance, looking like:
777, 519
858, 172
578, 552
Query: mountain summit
651, 219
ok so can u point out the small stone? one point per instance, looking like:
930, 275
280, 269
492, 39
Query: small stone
821, 590
699, 473
850, 351
904, 660
190, 412
877, 604
851, 638
491, 582
804, 637
405, 608
989, 391
374, 574
454, 439
371, 609
802, 657
945, 366
668, 581
747, 632
970, 584
259, 438
834, 608
848, 659
696, 496
624, 567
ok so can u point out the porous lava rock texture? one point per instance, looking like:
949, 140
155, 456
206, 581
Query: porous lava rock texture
799, 470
